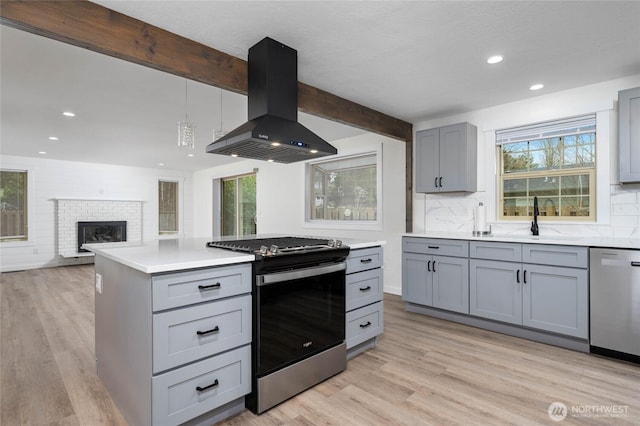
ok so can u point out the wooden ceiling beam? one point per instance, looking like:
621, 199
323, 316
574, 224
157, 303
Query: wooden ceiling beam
94, 27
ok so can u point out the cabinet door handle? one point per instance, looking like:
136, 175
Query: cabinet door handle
435, 181
434, 266
525, 276
440, 181
366, 260
202, 389
208, 287
365, 325
429, 266
367, 288
518, 276
204, 333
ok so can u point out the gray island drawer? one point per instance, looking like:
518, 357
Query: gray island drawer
436, 246
222, 325
364, 259
176, 397
364, 324
186, 288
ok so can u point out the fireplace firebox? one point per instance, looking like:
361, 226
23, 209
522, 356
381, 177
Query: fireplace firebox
101, 232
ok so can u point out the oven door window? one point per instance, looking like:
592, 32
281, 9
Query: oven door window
299, 318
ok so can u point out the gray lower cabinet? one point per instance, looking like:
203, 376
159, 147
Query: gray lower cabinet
175, 347
434, 280
550, 296
364, 306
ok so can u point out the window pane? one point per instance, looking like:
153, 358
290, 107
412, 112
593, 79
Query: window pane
229, 210
167, 207
539, 167
345, 189
247, 205
13, 205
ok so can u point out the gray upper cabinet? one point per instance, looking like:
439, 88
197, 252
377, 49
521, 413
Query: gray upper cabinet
629, 134
446, 159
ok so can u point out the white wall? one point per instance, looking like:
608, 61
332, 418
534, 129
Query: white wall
281, 199
618, 212
51, 179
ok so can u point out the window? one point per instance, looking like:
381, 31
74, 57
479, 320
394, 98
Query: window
555, 161
168, 208
239, 205
13, 205
344, 189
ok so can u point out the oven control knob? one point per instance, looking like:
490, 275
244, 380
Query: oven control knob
274, 249
264, 250
335, 243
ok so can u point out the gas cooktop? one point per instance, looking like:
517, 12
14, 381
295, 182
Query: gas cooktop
278, 246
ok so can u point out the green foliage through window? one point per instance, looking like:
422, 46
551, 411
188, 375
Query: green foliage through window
13, 205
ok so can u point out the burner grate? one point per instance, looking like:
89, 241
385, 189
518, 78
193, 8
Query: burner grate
253, 245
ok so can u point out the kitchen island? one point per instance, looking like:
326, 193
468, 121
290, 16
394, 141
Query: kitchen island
173, 321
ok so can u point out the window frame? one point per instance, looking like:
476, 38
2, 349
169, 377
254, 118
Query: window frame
30, 203
373, 225
180, 208
237, 224
591, 171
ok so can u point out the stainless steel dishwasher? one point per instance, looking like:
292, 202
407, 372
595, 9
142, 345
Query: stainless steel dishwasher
615, 303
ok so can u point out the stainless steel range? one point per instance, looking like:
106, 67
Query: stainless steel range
298, 314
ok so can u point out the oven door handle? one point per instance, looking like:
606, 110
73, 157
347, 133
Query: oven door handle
296, 274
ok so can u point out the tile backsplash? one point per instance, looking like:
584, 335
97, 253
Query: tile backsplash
454, 213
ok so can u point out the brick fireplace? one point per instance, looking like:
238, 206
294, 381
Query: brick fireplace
71, 211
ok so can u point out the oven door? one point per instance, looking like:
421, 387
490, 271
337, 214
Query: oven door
299, 313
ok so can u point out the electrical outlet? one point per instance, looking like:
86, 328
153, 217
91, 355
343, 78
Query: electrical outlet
99, 283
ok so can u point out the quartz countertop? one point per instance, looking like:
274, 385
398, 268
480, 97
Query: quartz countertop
182, 253
586, 241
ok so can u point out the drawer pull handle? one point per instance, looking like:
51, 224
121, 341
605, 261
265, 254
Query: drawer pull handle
635, 263
204, 333
208, 287
434, 247
365, 325
202, 389
367, 288
366, 260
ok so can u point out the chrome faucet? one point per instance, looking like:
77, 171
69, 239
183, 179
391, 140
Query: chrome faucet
536, 213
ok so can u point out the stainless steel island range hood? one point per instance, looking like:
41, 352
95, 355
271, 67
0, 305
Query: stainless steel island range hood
272, 132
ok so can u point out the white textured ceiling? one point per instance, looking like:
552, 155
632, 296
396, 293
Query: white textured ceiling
412, 60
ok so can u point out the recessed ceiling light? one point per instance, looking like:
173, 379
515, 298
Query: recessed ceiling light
53, 138
495, 59
68, 114
160, 164
42, 152
189, 155
537, 86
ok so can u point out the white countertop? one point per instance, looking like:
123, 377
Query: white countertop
607, 242
182, 253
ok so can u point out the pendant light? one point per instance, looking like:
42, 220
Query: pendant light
186, 130
220, 131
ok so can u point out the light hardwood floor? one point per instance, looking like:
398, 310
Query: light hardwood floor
423, 371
